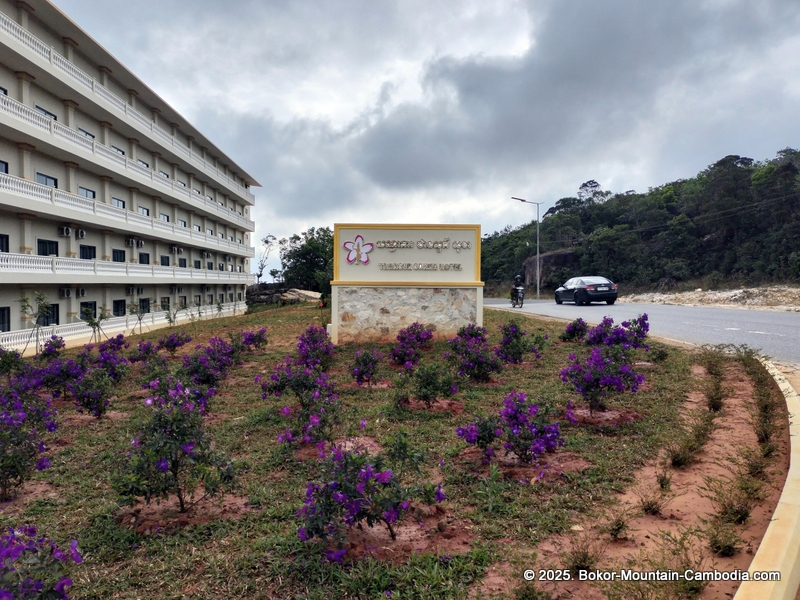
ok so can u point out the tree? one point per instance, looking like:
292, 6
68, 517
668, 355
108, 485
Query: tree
307, 259
267, 245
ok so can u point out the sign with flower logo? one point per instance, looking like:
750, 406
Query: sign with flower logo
415, 254
358, 251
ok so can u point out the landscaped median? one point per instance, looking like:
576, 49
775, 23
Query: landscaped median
255, 459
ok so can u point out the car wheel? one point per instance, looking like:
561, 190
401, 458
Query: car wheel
559, 300
577, 299
610, 302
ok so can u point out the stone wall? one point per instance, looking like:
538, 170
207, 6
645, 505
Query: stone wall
378, 313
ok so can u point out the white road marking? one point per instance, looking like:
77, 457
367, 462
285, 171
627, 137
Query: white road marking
732, 329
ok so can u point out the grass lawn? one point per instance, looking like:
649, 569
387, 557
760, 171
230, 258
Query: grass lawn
252, 549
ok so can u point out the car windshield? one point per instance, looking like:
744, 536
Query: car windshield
595, 280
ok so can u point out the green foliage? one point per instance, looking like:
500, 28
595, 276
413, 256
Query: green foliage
737, 219
433, 381
307, 259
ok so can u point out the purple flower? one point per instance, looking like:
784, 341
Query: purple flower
302, 534
383, 477
439, 494
335, 555
363, 424
163, 465
43, 463
188, 448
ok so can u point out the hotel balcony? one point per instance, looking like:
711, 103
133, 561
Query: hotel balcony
29, 269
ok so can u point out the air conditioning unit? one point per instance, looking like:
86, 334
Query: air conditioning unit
208, 288
140, 243
180, 289
229, 258
80, 234
130, 242
64, 231
206, 254
173, 249
227, 288
140, 290
80, 292
64, 293
130, 290
180, 250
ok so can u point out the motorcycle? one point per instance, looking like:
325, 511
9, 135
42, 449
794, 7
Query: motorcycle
517, 296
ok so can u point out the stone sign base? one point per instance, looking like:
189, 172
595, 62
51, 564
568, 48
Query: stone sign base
376, 313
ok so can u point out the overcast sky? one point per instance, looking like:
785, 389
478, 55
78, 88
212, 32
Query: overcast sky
439, 112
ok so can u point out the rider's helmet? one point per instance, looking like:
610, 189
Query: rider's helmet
518, 279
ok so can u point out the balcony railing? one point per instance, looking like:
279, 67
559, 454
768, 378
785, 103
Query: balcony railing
87, 82
26, 263
19, 339
61, 131
56, 197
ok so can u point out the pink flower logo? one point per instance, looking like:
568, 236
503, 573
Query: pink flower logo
357, 251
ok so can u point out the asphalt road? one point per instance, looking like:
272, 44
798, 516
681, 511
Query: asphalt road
776, 334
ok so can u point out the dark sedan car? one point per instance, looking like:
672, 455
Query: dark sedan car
585, 290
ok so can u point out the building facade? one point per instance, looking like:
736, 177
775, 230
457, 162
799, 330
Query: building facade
110, 201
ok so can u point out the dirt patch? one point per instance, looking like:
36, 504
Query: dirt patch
79, 419
361, 442
376, 385
30, 492
214, 418
427, 529
547, 466
155, 519
611, 417
688, 506
776, 298
439, 405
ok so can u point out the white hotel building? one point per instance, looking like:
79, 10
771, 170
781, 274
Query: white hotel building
108, 197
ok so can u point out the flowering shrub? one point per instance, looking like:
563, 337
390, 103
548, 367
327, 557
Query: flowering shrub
210, 364
113, 345
319, 404
58, 375
365, 366
469, 352
30, 566
526, 428
513, 345
598, 375
10, 363
92, 391
143, 351
409, 343
115, 365
173, 341
52, 348
172, 454
315, 349
630, 334
169, 388
255, 339
354, 487
575, 331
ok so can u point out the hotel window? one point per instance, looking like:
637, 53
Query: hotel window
88, 252
118, 308
210, 298
198, 299
119, 151
144, 211
209, 232
221, 266
164, 217
181, 223
182, 301
86, 193
117, 202
52, 317
47, 248
90, 307
239, 296
5, 318
238, 268
144, 258
210, 266
164, 302
196, 227
181, 183
3, 166
182, 263
239, 240
3, 242
3, 91
198, 264
86, 133
222, 297
144, 164
209, 198
230, 238
230, 297
196, 191
46, 180
144, 305
118, 255
165, 261
220, 235
163, 174
46, 113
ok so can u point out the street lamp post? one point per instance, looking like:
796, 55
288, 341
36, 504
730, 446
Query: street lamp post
538, 276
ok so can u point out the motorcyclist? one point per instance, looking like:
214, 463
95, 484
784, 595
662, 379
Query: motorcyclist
517, 283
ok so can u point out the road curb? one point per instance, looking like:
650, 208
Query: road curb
780, 546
